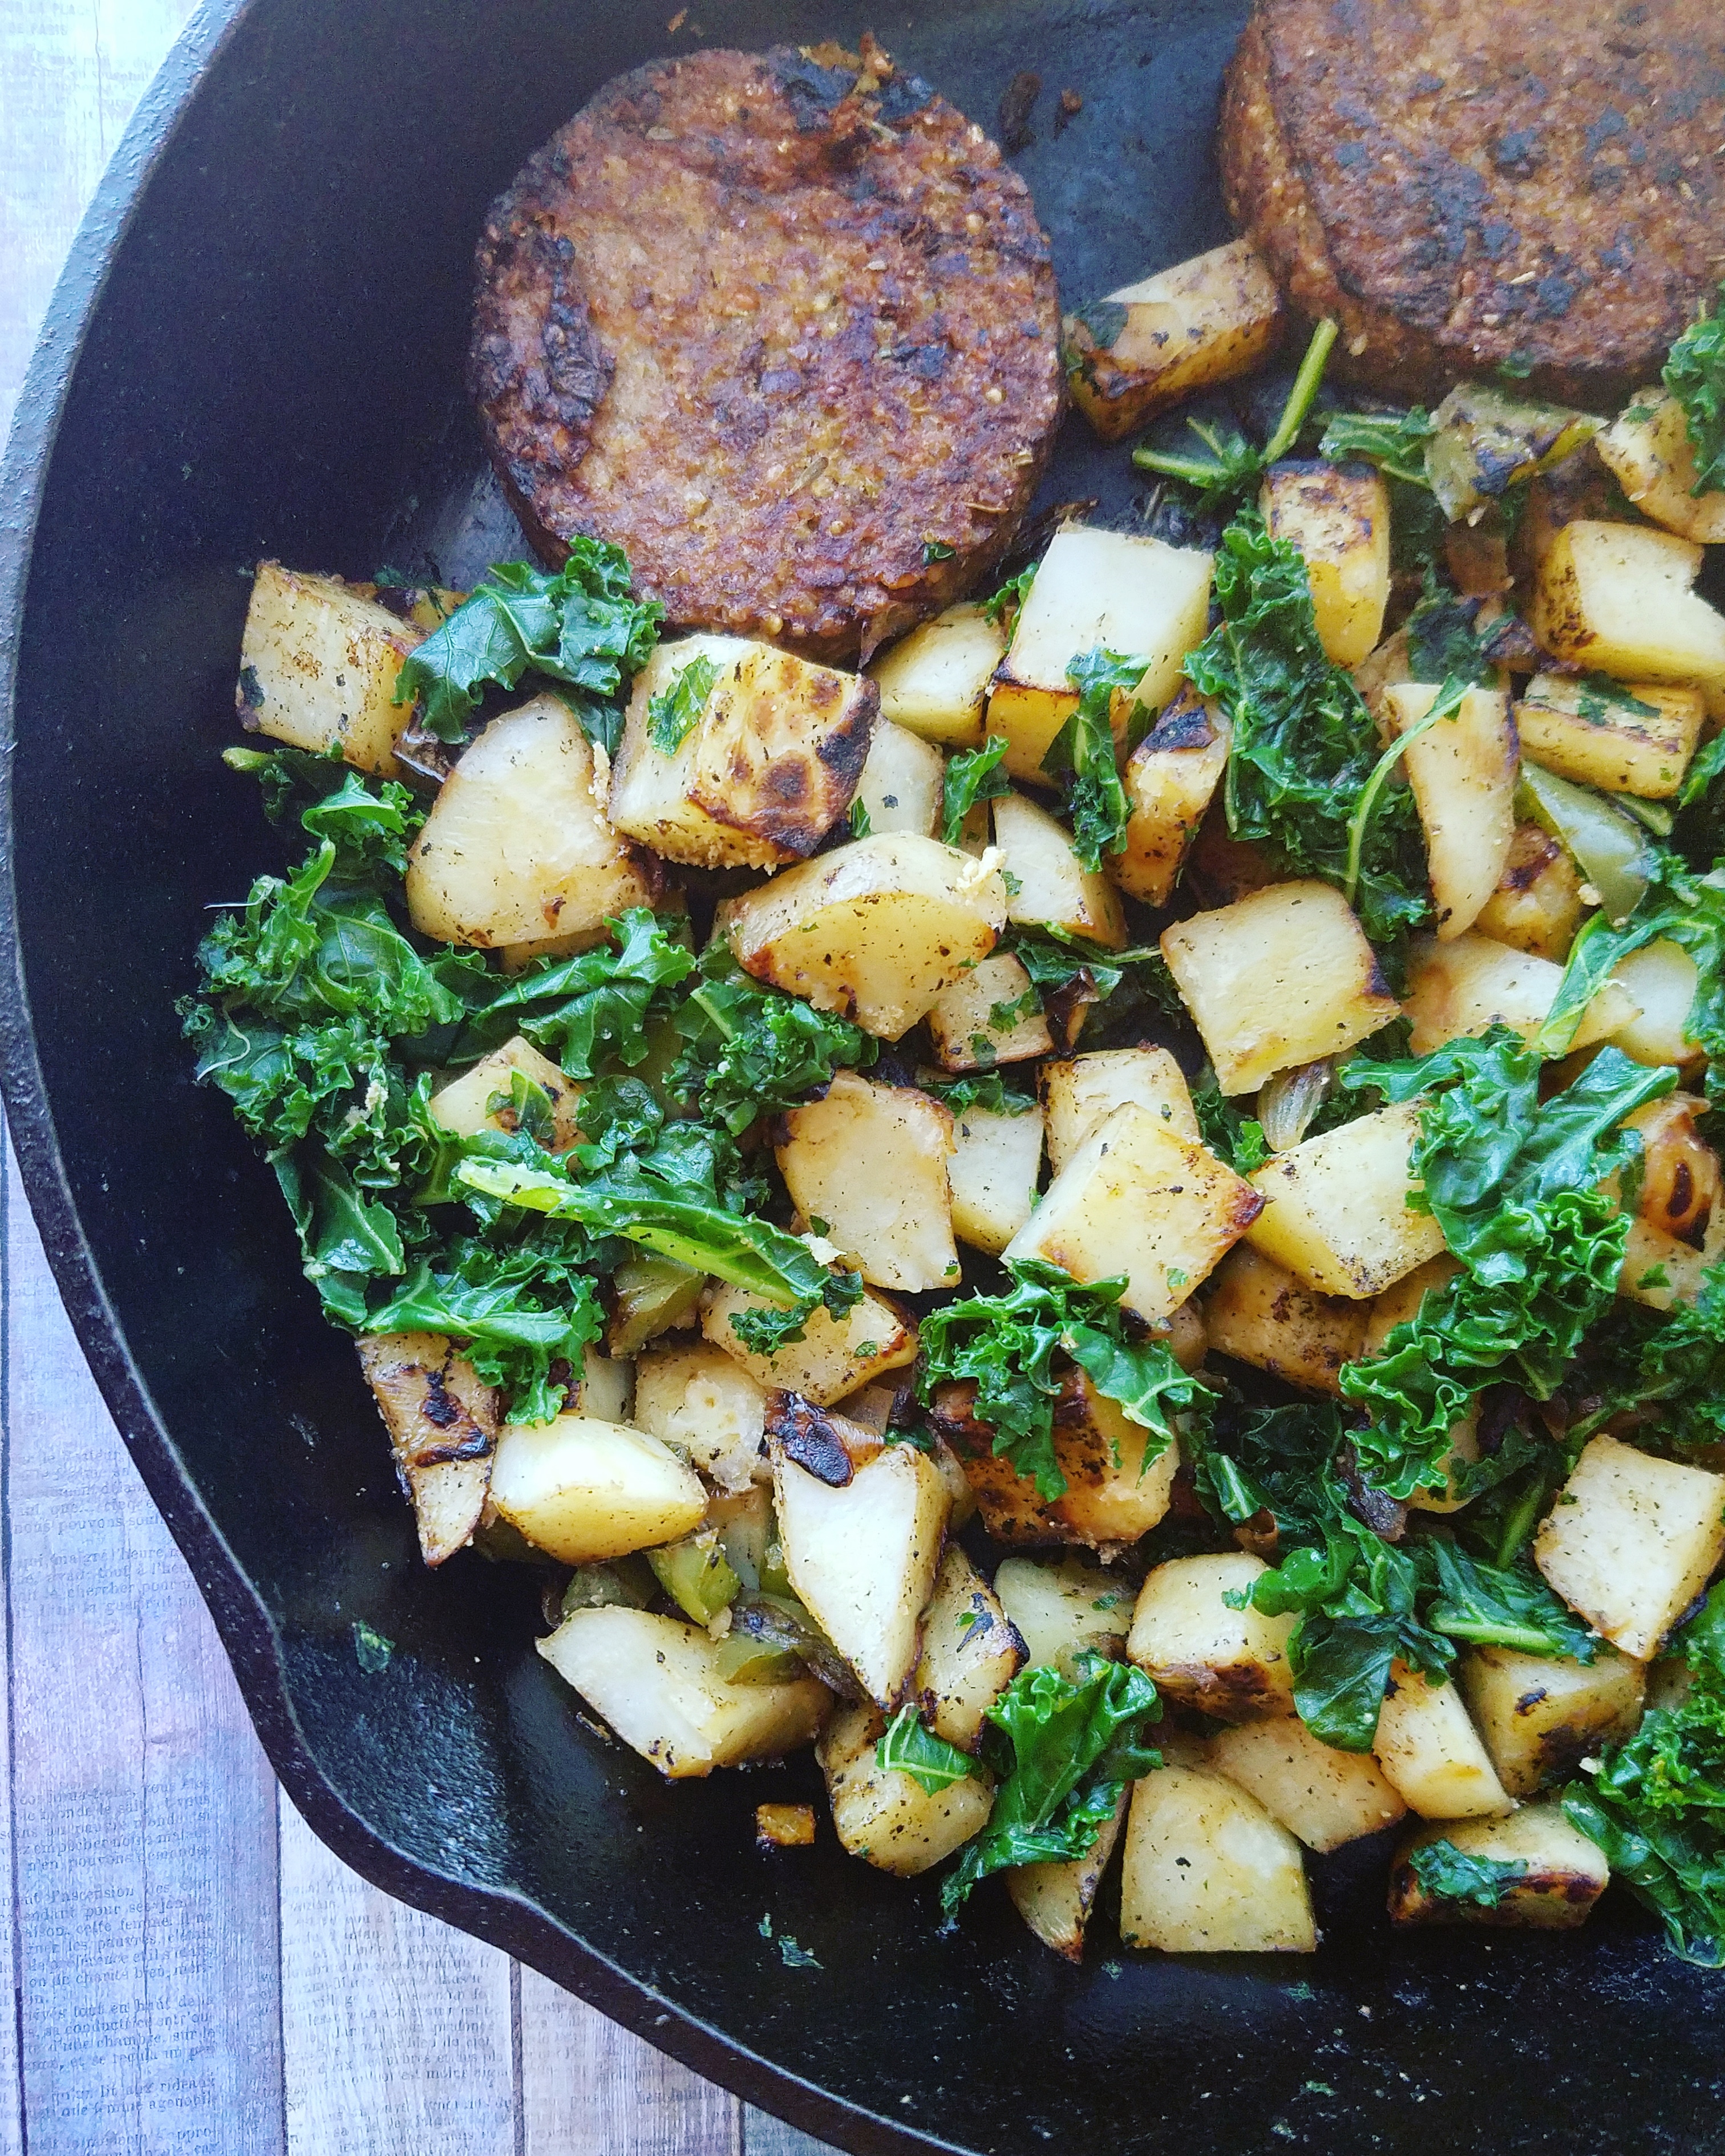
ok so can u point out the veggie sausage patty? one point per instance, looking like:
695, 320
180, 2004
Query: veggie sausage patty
785, 331
1467, 184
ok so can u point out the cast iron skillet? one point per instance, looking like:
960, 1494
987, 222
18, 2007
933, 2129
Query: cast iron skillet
255, 349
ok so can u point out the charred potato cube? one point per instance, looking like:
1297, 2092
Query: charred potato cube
1637, 738
463, 1107
656, 1682
1339, 1209
993, 1168
1537, 906
1134, 595
970, 1652
1063, 1611
443, 1431
1541, 1715
1646, 450
1231, 1663
1146, 347
1055, 1900
861, 1555
1170, 778
1565, 1873
1431, 1753
769, 767
516, 846
1053, 885
696, 1400
583, 1490
870, 1162
1472, 984
1136, 1199
835, 1355
1324, 1796
1082, 1091
1631, 1541
874, 930
319, 667
1338, 517
903, 781
1280, 978
1462, 770
989, 1015
1257, 1313
1616, 597
882, 1813
935, 681
1208, 1870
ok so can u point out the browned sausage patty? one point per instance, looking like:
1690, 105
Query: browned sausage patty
1466, 184
786, 334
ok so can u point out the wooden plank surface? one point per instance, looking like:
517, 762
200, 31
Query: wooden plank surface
194, 1971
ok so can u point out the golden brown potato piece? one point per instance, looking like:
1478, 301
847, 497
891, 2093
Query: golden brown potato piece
464, 1106
935, 681
784, 1826
1635, 738
1646, 450
1231, 1663
1325, 1796
1084, 1090
1339, 1212
870, 1162
1661, 978
1563, 1873
1170, 778
1208, 1870
1144, 347
443, 1430
1064, 1610
1537, 906
1046, 882
1472, 984
994, 1166
835, 1355
1258, 1313
970, 1652
1463, 771
882, 1815
318, 667
1431, 1753
584, 1489
990, 1015
1616, 597
1055, 1900
1338, 517
697, 1397
1541, 1715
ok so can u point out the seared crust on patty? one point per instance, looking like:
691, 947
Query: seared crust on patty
785, 334
1466, 184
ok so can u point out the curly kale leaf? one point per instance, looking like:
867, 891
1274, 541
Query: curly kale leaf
1304, 746
1230, 1136
578, 624
1070, 1748
1450, 1874
1006, 1344
1695, 375
909, 1747
583, 1009
1394, 441
1005, 603
750, 1050
972, 775
1083, 754
1492, 1606
673, 715
983, 1090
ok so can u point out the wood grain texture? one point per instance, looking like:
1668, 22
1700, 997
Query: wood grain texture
588, 2086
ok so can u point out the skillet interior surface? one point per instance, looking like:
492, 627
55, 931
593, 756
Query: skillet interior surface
271, 298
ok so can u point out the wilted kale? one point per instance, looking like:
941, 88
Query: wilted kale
985, 1091
1513, 1182
1695, 375
1082, 753
909, 1747
750, 1050
583, 1010
1656, 1805
1065, 1750
1230, 1136
580, 626
1666, 1367
1304, 746
1219, 461
972, 775
1394, 441
673, 713
1006, 602
1006, 1345
1450, 1874
1490, 1605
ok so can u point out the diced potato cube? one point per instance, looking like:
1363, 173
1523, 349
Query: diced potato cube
935, 681
1661, 1271
655, 1681
1063, 1611
869, 1163
1563, 1872
970, 1652
989, 1015
993, 1170
443, 1431
1170, 777
1324, 1796
1135, 595
1055, 1900
1682, 1186
1338, 1211
874, 930
766, 769
862, 1556
1634, 739
583, 1490
516, 845
1661, 979
1208, 1870
1338, 517
902, 782
462, 1106
1053, 885
1257, 1313
606, 1388
1537, 906
1136, 1199
1462, 770
698, 1400
784, 1826
318, 667
1631, 1541
1617, 598
1283, 977
1472, 984
1432, 1754
1080, 1093
1143, 348
651, 1296
1540, 1716
884, 1816
1231, 1663
835, 1356
1647, 450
